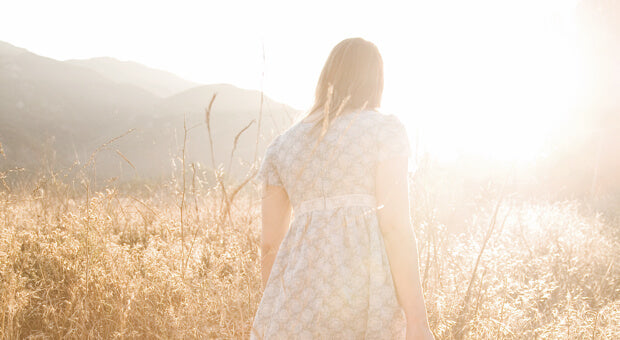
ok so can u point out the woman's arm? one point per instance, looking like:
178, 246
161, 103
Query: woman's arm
276, 211
400, 243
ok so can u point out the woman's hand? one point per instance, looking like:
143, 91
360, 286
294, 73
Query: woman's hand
417, 330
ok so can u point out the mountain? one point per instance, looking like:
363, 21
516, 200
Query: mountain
233, 109
47, 105
54, 113
159, 82
7, 49
157, 142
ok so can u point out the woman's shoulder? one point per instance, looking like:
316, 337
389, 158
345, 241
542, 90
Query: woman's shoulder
380, 120
373, 119
286, 135
386, 116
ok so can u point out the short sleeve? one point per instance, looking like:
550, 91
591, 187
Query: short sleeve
268, 172
392, 139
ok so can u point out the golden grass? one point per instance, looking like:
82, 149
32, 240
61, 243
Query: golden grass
113, 267
112, 264
181, 259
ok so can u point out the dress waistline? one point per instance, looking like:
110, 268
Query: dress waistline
333, 202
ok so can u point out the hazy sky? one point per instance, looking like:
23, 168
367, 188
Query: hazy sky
457, 61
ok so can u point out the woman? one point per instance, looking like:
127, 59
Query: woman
347, 265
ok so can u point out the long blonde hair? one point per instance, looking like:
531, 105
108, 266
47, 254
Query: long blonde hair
351, 79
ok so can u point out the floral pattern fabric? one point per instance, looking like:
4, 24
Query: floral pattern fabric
331, 276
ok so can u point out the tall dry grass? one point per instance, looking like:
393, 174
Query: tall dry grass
181, 260
111, 264
116, 265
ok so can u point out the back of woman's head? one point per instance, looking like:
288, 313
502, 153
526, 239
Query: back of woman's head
352, 78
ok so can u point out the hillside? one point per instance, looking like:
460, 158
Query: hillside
159, 140
159, 82
53, 113
232, 110
47, 105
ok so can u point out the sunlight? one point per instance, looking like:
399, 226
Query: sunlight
497, 88
492, 78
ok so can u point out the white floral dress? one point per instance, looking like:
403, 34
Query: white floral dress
331, 277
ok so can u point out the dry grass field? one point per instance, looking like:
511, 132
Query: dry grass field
178, 261
83, 256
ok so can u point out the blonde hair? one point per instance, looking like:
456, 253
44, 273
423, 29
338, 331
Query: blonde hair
351, 79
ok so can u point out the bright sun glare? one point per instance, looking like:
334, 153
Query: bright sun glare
484, 77
491, 83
